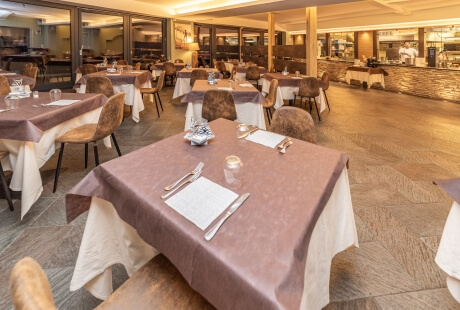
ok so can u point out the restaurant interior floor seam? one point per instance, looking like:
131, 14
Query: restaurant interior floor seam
397, 145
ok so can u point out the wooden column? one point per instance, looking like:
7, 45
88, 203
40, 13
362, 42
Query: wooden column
356, 45
421, 42
310, 44
375, 43
271, 39
327, 46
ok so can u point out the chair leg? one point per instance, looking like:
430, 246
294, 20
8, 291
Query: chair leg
156, 104
309, 103
268, 115
5, 188
58, 168
96, 155
317, 111
159, 99
116, 144
294, 99
327, 101
86, 155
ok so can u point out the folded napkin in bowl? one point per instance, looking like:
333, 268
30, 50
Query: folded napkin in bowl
266, 138
225, 88
202, 202
61, 103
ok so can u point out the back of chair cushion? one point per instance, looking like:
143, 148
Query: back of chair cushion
32, 73
325, 79
220, 65
111, 116
99, 85
253, 73
271, 97
170, 68
4, 86
161, 81
122, 62
218, 104
295, 123
198, 74
88, 69
309, 87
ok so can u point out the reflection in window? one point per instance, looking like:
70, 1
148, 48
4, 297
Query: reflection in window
146, 41
227, 44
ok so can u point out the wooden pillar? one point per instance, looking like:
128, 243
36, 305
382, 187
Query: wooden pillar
271, 39
310, 44
375, 44
356, 45
240, 42
327, 45
421, 42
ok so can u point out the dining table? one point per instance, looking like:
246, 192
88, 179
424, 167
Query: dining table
158, 67
12, 77
287, 85
240, 73
128, 82
448, 254
100, 67
367, 76
274, 252
183, 87
248, 102
29, 132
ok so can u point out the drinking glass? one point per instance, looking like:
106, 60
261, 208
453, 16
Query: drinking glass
55, 95
12, 102
233, 169
297, 73
130, 68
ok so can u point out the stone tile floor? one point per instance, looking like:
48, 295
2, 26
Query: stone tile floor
397, 145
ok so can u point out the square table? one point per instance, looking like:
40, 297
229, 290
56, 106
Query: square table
28, 134
182, 86
241, 73
367, 76
158, 67
100, 67
248, 102
128, 82
11, 76
274, 252
287, 85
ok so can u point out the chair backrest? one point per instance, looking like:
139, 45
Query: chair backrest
32, 73
196, 64
29, 286
170, 68
198, 74
161, 81
88, 69
249, 63
137, 66
111, 116
325, 79
271, 97
28, 66
235, 62
253, 73
309, 87
122, 62
99, 85
214, 62
294, 122
178, 61
4, 86
218, 104
220, 65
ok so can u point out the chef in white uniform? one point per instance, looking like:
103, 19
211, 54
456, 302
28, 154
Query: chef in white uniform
407, 51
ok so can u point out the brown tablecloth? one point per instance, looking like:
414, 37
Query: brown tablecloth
283, 80
451, 187
368, 70
257, 259
103, 68
187, 73
137, 79
240, 94
244, 69
28, 123
159, 66
11, 77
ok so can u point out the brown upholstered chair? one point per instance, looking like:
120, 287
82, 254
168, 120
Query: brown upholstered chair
4, 86
309, 88
178, 61
109, 120
294, 122
220, 65
137, 66
88, 69
156, 285
218, 104
28, 66
122, 62
196, 64
32, 73
29, 286
170, 71
324, 84
235, 62
253, 74
270, 99
249, 63
198, 74
99, 85
6, 189
155, 91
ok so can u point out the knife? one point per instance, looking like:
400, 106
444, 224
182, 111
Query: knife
230, 211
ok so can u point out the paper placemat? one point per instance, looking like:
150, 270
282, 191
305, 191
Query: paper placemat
297, 77
135, 72
266, 138
246, 85
8, 73
112, 74
202, 202
61, 103
225, 88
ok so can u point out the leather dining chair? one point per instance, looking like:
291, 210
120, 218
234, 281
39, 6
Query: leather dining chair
295, 123
198, 74
155, 91
137, 66
196, 64
218, 104
324, 84
156, 285
32, 73
253, 74
122, 62
4, 86
178, 61
270, 99
27, 67
6, 189
109, 120
170, 71
309, 88
220, 65
88, 69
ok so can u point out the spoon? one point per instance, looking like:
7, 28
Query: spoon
247, 133
282, 144
5, 110
283, 150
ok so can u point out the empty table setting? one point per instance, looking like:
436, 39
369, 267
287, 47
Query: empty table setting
272, 246
128, 82
158, 67
28, 133
367, 76
182, 86
248, 101
287, 85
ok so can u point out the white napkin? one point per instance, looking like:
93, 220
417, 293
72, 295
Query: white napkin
246, 85
112, 74
225, 88
297, 77
202, 202
8, 73
136, 71
62, 103
266, 138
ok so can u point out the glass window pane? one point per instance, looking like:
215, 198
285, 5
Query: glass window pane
146, 41
227, 44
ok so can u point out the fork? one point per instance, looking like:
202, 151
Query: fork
283, 150
281, 145
190, 180
194, 171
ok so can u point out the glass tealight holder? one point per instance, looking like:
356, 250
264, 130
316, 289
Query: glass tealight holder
233, 171
55, 95
12, 102
35, 94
